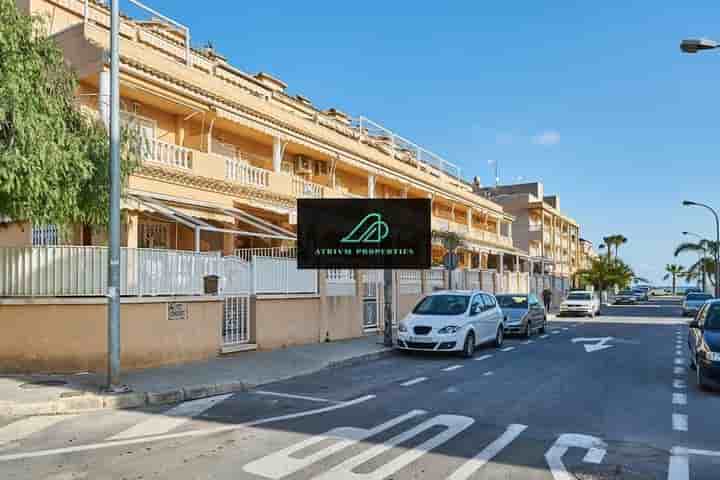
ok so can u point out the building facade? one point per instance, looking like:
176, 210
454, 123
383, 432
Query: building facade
551, 238
226, 154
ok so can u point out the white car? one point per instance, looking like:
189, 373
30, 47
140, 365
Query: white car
452, 321
580, 303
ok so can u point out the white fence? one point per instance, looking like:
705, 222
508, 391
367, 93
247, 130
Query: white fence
340, 283
273, 275
410, 282
247, 254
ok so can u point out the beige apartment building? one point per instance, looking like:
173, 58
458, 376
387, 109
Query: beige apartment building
228, 154
551, 238
587, 254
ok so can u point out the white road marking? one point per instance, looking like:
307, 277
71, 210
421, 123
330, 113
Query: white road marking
679, 468
561, 446
414, 381
680, 422
679, 399
679, 352
507, 349
601, 343
679, 371
20, 429
594, 455
286, 462
682, 451
487, 374
191, 433
160, 423
451, 368
484, 357
293, 396
566, 328
544, 336
468, 468
555, 332
679, 361
679, 384
454, 425
527, 342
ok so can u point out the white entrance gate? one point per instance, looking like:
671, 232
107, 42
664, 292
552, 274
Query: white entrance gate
372, 285
236, 287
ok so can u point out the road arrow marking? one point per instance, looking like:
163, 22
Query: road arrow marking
600, 343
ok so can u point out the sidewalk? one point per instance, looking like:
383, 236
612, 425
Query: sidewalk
22, 395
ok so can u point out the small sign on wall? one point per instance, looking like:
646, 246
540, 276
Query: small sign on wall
177, 311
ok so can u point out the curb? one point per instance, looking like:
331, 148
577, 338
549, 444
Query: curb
91, 402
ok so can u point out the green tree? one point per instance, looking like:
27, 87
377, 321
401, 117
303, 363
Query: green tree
706, 249
54, 157
673, 271
616, 241
605, 273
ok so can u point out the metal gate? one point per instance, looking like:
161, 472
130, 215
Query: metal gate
372, 283
236, 289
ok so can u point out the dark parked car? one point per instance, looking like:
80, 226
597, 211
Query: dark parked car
625, 297
704, 344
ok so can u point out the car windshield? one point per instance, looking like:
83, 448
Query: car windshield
699, 297
579, 296
512, 301
712, 320
442, 305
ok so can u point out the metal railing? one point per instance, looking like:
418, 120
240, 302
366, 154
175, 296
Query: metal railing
246, 174
404, 148
341, 276
169, 154
272, 275
247, 254
58, 271
303, 188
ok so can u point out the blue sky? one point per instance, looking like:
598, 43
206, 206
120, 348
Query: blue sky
594, 98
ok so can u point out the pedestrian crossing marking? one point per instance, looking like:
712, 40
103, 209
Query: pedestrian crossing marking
25, 427
488, 453
171, 419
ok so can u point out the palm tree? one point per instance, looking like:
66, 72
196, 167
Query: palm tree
706, 261
673, 271
609, 242
605, 273
620, 239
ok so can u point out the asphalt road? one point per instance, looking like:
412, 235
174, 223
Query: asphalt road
609, 398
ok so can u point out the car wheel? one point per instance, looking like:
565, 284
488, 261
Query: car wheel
528, 330
700, 377
499, 337
469, 347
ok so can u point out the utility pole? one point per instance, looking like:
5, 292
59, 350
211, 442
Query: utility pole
113, 289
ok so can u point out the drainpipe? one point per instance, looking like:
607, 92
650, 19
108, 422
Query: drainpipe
197, 239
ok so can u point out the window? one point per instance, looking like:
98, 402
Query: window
489, 301
442, 305
145, 127
477, 304
512, 301
154, 235
711, 318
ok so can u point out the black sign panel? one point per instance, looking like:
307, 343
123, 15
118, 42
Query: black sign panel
364, 233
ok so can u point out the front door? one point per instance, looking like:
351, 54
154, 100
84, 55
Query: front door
371, 290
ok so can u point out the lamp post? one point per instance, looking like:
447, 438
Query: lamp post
694, 45
688, 203
701, 258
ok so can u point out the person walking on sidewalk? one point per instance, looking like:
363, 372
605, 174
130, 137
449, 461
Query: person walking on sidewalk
547, 298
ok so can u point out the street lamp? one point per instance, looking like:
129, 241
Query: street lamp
694, 45
688, 203
701, 258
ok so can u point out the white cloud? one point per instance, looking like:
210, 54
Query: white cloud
547, 138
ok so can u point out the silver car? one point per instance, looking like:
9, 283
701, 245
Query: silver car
522, 313
693, 302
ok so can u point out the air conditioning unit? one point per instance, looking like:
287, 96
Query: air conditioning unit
303, 165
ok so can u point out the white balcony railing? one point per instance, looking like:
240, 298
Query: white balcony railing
303, 188
247, 254
246, 174
535, 227
169, 154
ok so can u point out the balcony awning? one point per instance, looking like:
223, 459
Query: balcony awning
192, 213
